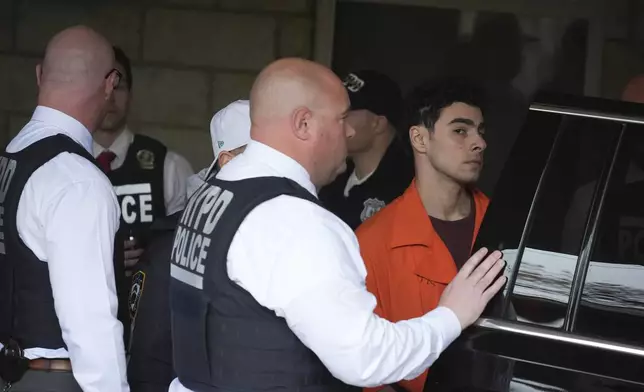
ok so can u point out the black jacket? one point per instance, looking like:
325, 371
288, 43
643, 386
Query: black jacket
150, 362
390, 180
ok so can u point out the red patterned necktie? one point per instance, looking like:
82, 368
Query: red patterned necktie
105, 159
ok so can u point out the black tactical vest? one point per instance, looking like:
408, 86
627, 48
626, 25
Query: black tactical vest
150, 365
223, 340
26, 302
138, 184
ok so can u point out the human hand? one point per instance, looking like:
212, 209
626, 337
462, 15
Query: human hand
474, 286
132, 253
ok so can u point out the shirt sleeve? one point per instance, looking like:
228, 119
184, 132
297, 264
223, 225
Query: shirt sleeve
80, 223
176, 170
317, 283
372, 287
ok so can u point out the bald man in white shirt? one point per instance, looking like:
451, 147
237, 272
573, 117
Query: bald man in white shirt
268, 287
58, 298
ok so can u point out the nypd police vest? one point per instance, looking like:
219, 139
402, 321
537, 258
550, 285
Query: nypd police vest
27, 311
138, 185
224, 340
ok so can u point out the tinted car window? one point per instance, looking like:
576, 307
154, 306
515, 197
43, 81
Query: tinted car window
612, 301
580, 150
563, 155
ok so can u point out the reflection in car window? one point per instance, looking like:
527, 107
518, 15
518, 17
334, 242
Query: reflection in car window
612, 302
553, 237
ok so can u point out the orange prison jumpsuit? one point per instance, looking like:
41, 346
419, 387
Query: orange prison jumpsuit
408, 265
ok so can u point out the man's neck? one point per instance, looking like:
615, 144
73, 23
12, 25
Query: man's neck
367, 162
442, 197
79, 111
106, 138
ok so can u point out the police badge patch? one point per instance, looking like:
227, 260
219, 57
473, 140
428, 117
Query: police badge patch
371, 206
138, 281
146, 159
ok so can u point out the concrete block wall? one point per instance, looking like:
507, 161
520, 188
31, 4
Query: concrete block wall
190, 57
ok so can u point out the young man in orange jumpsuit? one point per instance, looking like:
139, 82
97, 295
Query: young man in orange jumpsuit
414, 247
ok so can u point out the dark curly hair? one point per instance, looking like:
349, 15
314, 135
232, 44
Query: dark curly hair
424, 104
123, 60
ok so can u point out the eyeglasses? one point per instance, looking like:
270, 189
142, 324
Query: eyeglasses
117, 80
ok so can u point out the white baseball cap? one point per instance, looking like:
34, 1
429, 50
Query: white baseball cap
230, 127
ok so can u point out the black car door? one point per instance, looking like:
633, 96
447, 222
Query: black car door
568, 213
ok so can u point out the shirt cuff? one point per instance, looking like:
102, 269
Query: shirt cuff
446, 323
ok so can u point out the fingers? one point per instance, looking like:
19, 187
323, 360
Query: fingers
132, 257
473, 261
485, 266
495, 288
491, 274
133, 254
129, 263
129, 244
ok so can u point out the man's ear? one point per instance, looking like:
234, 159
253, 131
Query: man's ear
301, 123
419, 138
380, 124
38, 74
110, 81
224, 158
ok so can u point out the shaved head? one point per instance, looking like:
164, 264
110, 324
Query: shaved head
76, 74
298, 107
286, 84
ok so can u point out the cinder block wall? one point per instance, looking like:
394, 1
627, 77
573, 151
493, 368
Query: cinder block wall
190, 57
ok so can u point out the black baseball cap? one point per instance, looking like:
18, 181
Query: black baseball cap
376, 92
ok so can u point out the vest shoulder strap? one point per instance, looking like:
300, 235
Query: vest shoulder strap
234, 200
31, 159
256, 191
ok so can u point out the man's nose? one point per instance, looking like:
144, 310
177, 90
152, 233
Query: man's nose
479, 144
349, 131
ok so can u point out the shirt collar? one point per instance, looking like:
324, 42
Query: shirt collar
280, 163
120, 145
412, 225
66, 123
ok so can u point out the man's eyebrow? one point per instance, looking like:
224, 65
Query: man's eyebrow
467, 121
462, 120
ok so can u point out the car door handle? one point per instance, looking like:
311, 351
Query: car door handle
560, 336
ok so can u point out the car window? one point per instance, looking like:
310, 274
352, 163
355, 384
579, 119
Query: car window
612, 300
555, 156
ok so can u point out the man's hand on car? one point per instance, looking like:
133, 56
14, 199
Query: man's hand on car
474, 286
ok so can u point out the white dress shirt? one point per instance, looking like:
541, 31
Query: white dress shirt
68, 215
176, 170
303, 262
